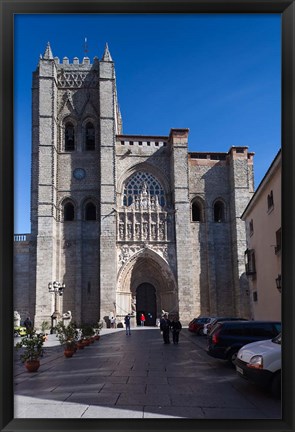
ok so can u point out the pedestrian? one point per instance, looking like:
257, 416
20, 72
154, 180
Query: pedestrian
113, 322
142, 320
176, 329
127, 324
165, 328
29, 326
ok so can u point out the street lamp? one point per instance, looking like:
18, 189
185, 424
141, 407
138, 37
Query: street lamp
57, 288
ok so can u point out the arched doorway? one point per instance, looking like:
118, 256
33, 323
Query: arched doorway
146, 303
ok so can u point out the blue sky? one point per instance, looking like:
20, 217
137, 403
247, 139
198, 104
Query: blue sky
218, 75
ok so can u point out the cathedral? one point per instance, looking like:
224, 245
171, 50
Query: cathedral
125, 223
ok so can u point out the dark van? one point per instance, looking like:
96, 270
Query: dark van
228, 337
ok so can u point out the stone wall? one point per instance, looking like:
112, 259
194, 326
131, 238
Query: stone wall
21, 279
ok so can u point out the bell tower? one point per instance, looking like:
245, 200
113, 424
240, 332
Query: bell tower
75, 120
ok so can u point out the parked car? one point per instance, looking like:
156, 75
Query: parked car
220, 319
228, 337
19, 331
197, 324
261, 362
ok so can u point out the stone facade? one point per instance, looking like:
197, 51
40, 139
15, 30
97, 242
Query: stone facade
126, 221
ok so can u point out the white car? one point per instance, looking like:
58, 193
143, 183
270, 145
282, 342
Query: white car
260, 362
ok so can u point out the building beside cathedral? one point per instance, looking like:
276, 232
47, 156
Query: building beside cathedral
126, 222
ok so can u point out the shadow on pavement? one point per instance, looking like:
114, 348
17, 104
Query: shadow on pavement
138, 376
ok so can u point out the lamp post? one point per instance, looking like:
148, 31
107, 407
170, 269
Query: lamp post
57, 288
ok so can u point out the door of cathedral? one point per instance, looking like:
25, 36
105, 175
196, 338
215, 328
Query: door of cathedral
146, 303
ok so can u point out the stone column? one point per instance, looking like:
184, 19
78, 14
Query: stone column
108, 256
179, 177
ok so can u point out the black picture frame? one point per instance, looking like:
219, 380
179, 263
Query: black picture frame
8, 8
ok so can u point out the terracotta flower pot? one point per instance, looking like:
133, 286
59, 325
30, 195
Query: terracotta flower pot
32, 365
80, 345
68, 352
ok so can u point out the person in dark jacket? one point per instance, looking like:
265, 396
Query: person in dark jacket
29, 326
127, 324
176, 329
165, 328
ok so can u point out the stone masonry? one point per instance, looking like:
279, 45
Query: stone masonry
128, 223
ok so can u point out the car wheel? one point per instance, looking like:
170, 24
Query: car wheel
276, 385
200, 332
232, 356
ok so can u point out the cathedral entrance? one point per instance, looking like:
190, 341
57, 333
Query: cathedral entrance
146, 304
146, 284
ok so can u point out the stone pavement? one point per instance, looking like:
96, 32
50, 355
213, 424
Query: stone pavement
137, 376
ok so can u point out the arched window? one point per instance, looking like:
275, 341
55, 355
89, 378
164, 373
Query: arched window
219, 213
143, 188
69, 212
90, 137
90, 212
69, 137
197, 212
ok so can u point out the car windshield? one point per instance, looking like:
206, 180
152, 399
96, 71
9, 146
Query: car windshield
277, 339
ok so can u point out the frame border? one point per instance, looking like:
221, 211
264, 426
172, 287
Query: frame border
8, 8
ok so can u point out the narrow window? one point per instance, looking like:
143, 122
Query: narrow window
90, 212
196, 212
69, 212
251, 227
278, 245
255, 296
90, 137
219, 211
69, 137
250, 262
270, 200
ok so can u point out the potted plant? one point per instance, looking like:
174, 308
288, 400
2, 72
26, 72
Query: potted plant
67, 337
45, 326
87, 333
32, 345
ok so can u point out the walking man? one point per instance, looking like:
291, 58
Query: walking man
165, 328
127, 324
176, 328
113, 322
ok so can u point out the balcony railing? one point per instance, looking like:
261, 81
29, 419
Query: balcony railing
22, 237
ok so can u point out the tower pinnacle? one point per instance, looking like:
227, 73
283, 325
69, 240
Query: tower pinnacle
48, 53
106, 55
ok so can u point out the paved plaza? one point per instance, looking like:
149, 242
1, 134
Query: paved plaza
137, 376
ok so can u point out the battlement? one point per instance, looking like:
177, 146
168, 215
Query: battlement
234, 152
75, 64
208, 155
141, 141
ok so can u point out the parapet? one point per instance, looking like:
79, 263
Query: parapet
140, 141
